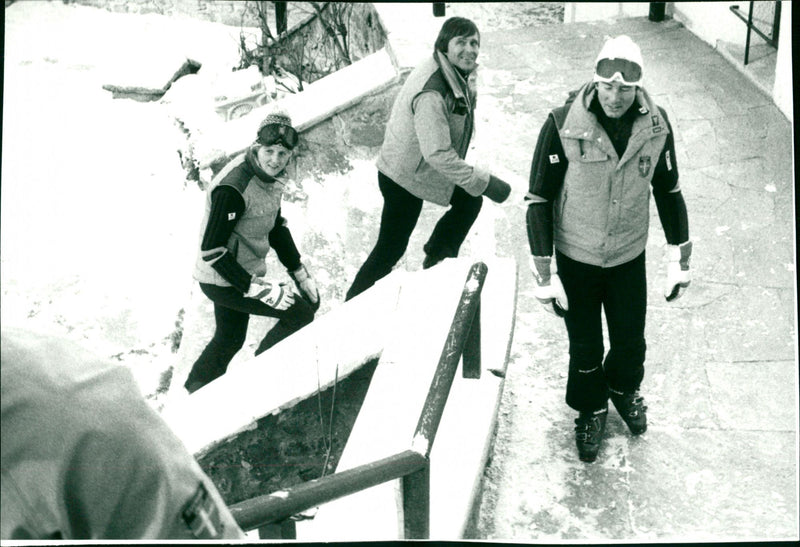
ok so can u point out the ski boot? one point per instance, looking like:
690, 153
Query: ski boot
632, 409
589, 429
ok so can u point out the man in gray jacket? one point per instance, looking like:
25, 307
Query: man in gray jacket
422, 157
597, 161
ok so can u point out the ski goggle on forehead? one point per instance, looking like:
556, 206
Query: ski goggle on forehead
628, 72
278, 134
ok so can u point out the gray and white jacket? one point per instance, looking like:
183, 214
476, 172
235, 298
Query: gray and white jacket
428, 134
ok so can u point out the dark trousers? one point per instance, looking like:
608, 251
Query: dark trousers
401, 211
620, 292
232, 311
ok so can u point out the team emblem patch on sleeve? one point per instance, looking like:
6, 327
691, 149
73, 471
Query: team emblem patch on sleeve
554, 158
201, 515
669, 161
231, 216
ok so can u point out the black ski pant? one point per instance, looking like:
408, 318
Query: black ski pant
401, 210
232, 311
620, 292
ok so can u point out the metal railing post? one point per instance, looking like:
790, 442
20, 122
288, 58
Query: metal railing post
448, 362
749, 31
776, 24
417, 504
471, 356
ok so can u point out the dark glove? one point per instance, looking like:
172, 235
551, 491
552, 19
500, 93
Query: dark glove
497, 190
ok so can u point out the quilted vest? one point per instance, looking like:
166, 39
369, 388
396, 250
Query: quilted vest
602, 214
249, 242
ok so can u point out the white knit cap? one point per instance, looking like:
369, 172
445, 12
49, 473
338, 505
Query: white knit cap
621, 47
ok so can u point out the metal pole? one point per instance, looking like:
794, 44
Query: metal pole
417, 504
433, 408
776, 24
657, 11
278, 506
471, 357
749, 29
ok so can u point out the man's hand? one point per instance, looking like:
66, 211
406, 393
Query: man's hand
548, 288
679, 274
273, 294
306, 285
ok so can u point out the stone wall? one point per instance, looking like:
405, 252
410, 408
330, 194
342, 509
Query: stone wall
356, 133
366, 35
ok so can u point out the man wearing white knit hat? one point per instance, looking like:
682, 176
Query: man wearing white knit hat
596, 160
242, 223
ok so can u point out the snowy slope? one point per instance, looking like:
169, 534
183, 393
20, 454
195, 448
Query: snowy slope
99, 225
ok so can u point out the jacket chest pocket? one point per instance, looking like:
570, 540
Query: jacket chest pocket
589, 152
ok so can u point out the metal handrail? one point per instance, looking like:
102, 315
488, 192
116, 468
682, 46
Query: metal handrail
771, 40
433, 408
277, 506
411, 466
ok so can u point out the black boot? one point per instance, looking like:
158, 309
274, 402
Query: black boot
589, 429
632, 409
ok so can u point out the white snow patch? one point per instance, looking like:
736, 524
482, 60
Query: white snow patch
693, 480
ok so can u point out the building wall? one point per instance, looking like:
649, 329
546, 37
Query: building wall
783, 92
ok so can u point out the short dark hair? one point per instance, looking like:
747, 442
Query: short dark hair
455, 26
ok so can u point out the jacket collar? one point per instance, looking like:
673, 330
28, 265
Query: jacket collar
581, 123
464, 90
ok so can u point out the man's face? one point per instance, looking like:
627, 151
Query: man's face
273, 158
615, 97
462, 51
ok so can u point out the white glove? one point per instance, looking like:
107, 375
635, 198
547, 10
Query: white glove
273, 294
679, 275
306, 285
548, 288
